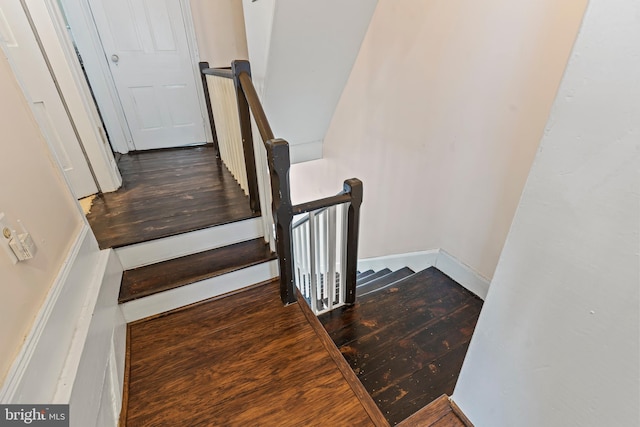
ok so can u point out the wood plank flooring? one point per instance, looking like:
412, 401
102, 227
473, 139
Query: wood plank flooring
407, 342
167, 192
151, 279
243, 360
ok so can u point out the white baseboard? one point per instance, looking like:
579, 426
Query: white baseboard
159, 250
462, 273
439, 258
199, 291
64, 358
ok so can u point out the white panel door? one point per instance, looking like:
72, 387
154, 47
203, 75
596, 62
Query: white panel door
146, 45
28, 63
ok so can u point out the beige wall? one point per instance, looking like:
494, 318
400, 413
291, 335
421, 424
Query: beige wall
33, 191
220, 31
441, 119
558, 340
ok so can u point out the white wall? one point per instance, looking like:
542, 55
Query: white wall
302, 52
557, 343
34, 191
258, 20
220, 31
441, 118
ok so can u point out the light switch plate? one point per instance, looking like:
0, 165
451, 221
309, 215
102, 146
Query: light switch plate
4, 241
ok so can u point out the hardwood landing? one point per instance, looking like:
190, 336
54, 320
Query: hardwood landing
407, 342
242, 360
167, 192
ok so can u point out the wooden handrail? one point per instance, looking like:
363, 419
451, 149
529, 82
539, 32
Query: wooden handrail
218, 72
205, 86
313, 205
256, 107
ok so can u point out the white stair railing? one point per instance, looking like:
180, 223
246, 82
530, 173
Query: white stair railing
222, 93
319, 247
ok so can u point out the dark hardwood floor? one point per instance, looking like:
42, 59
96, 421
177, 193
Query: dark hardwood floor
167, 192
243, 360
407, 342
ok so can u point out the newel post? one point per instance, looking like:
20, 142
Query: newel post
279, 164
207, 99
238, 67
352, 186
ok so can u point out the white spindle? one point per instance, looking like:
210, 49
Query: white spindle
312, 258
343, 252
331, 276
225, 113
319, 252
264, 186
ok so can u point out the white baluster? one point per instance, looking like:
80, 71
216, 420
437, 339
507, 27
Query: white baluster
312, 258
305, 259
331, 276
343, 252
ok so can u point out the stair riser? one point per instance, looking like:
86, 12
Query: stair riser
199, 291
159, 250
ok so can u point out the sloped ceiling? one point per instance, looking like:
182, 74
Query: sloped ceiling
302, 53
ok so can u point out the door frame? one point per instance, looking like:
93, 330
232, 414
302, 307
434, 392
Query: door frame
80, 18
46, 22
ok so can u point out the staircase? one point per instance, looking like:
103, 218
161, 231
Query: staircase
402, 333
183, 231
369, 281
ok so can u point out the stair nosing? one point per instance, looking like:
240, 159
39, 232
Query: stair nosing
386, 286
370, 278
122, 300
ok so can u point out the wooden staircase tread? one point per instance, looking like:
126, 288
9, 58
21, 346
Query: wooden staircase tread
173, 273
381, 282
374, 276
364, 274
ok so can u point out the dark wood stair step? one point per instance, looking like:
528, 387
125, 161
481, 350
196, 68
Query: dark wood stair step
364, 274
383, 281
373, 276
171, 274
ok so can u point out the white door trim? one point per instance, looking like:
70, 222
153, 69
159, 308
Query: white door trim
80, 18
194, 53
87, 40
58, 49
